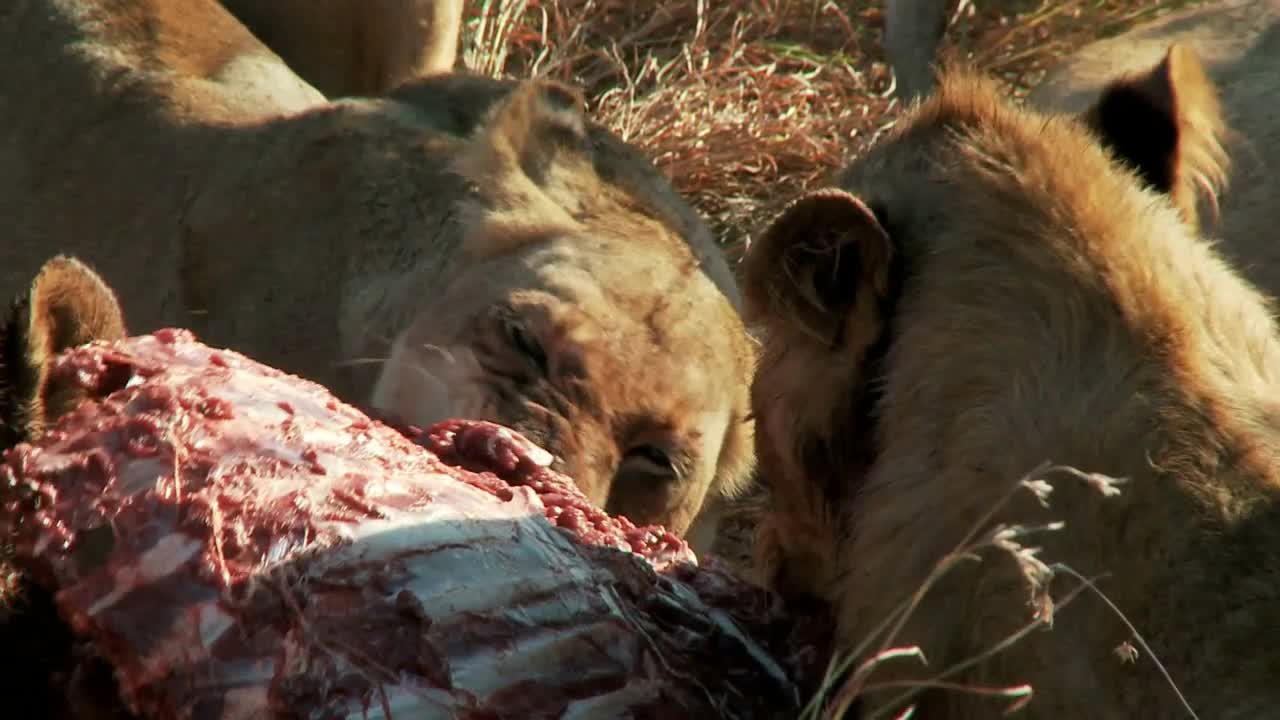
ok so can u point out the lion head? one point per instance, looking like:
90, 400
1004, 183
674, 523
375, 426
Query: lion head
988, 289
579, 314
66, 305
1238, 43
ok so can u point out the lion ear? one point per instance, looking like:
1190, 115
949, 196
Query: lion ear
1168, 124
822, 265
531, 159
537, 123
67, 305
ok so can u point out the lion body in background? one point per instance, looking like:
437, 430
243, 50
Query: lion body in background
356, 47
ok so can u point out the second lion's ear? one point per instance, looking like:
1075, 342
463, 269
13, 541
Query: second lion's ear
822, 267
537, 122
67, 305
530, 145
1167, 123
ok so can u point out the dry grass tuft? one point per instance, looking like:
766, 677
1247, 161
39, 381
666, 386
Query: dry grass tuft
744, 103
844, 682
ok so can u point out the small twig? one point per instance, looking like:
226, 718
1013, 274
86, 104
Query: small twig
999, 647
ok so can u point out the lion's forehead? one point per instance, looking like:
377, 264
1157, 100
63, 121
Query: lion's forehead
625, 272
658, 360
637, 305
627, 360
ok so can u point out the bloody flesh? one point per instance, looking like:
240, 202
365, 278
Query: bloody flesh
237, 543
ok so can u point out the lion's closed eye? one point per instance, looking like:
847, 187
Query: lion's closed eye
525, 342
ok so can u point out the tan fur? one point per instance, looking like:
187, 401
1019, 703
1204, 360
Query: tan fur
477, 245
67, 305
990, 289
356, 47
1239, 44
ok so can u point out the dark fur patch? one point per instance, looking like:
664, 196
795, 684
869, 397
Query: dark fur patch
17, 375
1140, 131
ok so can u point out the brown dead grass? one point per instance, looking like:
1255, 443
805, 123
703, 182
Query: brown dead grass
744, 103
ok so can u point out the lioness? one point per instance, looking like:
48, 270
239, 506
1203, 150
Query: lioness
488, 252
1240, 43
356, 47
67, 304
988, 289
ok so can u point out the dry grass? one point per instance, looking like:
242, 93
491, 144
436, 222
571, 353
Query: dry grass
743, 103
844, 682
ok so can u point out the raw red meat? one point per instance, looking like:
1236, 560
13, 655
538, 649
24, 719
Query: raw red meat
239, 544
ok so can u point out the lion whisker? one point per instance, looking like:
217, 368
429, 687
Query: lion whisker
353, 362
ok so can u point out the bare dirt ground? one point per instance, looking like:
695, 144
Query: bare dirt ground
744, 103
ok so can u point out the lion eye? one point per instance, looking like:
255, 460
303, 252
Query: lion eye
525, 343
650, 460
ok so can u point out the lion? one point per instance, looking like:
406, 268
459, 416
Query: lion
356, 47
66, 305
483, 251
990, 288
1239, 43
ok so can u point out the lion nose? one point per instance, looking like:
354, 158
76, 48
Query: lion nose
644, 488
